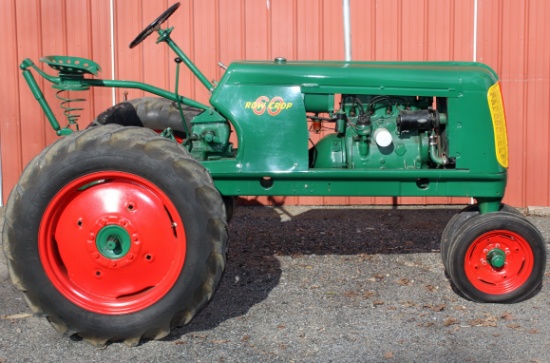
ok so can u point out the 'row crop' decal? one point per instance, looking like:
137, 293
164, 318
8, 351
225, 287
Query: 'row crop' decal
273, 106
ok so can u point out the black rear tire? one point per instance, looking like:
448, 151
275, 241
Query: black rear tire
128, 161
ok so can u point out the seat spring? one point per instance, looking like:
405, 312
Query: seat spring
68, 111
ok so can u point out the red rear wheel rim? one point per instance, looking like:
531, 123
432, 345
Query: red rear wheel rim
518, 266
130, 215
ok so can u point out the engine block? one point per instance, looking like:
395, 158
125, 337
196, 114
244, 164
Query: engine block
385, 132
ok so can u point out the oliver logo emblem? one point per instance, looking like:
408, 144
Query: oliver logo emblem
273, 106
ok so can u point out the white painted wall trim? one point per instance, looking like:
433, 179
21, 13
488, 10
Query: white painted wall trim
112, 20
347, 29
475, 32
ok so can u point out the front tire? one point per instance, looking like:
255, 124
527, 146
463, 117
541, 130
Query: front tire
497, 257
115, 233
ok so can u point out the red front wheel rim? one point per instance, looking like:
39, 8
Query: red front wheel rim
506, 275
112, 243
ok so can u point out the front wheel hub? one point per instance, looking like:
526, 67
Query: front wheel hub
496, 257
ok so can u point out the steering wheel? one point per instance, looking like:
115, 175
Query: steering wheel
155, 25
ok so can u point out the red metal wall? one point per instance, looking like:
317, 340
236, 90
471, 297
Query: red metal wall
508, 35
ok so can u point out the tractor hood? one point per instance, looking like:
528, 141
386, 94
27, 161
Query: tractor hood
446, 79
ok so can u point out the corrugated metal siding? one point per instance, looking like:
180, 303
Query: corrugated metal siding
10, 125
510, 37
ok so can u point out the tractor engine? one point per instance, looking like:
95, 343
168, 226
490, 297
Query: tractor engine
383, 132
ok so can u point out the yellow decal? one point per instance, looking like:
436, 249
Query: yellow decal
496, 107
273, 106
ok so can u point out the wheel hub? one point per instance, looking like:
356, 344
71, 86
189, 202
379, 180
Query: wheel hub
496, 257
113, 242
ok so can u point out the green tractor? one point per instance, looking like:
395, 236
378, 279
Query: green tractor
118, 232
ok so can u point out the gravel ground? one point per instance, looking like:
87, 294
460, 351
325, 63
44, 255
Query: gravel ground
320, 285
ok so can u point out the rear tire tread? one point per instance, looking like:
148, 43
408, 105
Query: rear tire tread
171, 154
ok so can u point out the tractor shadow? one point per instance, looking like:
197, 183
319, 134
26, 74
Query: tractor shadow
258, 235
